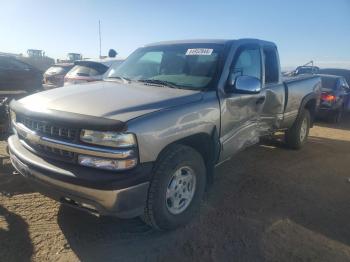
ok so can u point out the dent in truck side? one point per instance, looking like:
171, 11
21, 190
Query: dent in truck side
242, 115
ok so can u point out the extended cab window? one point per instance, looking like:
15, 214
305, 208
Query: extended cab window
247, 63
188, 66
271, 65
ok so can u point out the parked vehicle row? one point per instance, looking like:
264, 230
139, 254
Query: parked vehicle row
81, 71
18, 78
146, 140
89, 70
335, 97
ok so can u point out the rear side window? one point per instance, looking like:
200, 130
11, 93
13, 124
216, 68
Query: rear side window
271, 65
18, 65
55, 70
329, 83
248, 63
88, 70
13, 64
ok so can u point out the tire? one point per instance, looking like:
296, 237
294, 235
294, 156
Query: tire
159, 211
296, 136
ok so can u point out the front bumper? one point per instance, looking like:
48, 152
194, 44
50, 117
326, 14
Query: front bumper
101, 192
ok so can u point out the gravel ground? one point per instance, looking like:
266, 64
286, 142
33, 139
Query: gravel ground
266, 204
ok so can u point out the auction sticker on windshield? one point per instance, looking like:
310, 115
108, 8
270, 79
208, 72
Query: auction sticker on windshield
199, 51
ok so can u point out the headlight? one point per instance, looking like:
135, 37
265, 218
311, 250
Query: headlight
105, 163
111, 139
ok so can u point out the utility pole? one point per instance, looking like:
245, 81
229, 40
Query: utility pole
99, 34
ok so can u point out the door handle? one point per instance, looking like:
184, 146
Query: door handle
260, 100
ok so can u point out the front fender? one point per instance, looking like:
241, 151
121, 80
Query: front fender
157, 130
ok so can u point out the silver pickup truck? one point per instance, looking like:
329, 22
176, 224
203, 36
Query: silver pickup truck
146, 140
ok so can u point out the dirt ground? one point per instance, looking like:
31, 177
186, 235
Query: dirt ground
267, 204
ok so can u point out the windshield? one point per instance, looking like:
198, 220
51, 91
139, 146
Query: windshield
184, 66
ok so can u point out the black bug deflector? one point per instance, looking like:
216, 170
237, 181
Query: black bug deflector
73, 120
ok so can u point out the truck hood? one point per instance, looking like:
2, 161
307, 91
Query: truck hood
109, 99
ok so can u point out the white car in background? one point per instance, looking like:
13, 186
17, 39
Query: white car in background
89, 70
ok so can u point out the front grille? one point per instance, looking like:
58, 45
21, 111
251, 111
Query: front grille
55, 152
50, 130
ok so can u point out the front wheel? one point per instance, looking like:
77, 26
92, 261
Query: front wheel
297, 135
176, 189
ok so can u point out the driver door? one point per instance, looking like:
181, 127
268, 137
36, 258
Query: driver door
241, 112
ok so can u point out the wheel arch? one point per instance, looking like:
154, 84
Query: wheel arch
309, 102
207, 145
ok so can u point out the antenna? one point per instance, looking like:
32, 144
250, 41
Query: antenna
99, 34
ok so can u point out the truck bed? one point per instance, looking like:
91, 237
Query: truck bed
298, 88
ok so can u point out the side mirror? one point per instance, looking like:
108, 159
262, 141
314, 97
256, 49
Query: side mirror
244, 84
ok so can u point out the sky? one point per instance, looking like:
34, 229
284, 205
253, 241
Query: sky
303, 30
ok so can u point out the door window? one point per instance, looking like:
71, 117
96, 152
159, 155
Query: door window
248, 63
17, 65
271, 65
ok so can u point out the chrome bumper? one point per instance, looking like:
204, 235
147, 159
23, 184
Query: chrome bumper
124, 203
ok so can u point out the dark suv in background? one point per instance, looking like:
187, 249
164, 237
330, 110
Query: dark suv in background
335, 97
17, 79
17, 75
336, 72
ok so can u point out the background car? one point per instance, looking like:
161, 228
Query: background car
17, 75
54, 76
17, 79
89, 70
334, 97
337, 72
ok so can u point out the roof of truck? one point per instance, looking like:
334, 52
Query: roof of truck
212, 41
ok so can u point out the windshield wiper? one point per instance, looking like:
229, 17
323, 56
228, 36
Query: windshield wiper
159, 82
124, 79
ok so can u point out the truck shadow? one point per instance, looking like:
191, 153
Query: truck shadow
264, 203
343, 125
15, 243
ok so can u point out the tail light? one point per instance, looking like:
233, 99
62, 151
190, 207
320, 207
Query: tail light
327, 97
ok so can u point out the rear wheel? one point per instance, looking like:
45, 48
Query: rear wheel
297, 135
176, 189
